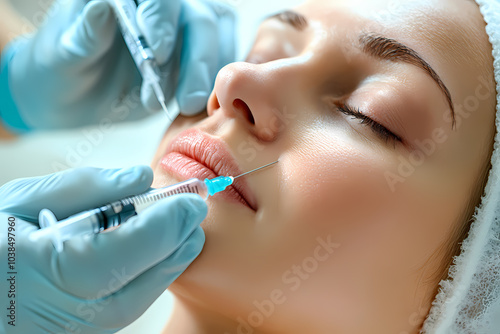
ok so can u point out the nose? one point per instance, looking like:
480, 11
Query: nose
256, 94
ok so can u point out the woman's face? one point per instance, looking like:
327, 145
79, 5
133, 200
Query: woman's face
344, 234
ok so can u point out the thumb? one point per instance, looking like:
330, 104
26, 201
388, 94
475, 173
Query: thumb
72, 191
136, 246
158, 20
91, 35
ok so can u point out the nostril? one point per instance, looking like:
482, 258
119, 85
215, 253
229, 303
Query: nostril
242, 107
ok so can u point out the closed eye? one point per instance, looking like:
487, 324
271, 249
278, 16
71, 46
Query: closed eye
380, 130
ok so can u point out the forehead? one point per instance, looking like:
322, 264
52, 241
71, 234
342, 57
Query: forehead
448, 34
449, 30
394, 9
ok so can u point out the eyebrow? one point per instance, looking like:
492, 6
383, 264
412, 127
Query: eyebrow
293, 18
389, 49
379, 47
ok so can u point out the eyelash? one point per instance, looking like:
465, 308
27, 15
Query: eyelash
376, 127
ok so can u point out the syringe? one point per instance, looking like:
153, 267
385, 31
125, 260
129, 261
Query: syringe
125, 11
114, 214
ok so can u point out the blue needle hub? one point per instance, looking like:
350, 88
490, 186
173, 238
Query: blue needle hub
218, 184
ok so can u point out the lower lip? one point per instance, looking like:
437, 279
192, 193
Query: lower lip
186, 168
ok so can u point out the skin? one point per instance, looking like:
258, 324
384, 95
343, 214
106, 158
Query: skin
332, 180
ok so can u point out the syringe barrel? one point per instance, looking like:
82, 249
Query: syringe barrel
193, 186
110, 215
125, 11
118, 212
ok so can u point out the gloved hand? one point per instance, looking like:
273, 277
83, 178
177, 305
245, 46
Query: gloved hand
76, 70
97, 284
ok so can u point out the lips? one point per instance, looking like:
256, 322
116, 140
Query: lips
194, 154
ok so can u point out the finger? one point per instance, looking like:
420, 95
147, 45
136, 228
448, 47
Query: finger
91, 35
226, 21
199, 57
72, 191
133, 248
134, 298
158, 21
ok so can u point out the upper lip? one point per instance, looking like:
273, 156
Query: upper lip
213, 154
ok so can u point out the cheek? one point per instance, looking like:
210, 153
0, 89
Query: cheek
212, 104
335, 185
331, 180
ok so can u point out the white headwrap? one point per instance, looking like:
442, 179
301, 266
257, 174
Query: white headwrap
469, 300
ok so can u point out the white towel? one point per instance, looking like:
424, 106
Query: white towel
469, 300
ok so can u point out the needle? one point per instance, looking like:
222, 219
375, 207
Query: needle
272, 163
162, 102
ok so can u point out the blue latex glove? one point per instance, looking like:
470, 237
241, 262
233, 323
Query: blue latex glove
97, 284
77, 71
